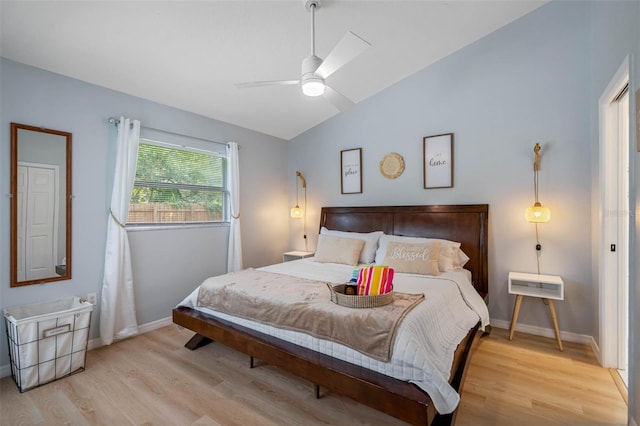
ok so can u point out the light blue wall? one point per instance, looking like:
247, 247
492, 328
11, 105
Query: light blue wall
536, 80
528, 82
167, 264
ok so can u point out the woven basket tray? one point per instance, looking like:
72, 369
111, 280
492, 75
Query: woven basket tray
349, 301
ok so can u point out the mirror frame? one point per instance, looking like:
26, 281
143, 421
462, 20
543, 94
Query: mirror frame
14, 205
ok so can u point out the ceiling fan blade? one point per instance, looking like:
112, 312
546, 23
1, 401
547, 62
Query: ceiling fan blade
267, 83
348, 48
338, 100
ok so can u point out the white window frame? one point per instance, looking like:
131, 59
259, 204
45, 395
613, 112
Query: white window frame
185, 143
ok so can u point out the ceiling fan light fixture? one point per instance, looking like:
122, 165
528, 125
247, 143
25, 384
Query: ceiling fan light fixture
313, 86
315, 71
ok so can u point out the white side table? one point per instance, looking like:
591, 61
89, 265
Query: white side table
295, 255
547, 287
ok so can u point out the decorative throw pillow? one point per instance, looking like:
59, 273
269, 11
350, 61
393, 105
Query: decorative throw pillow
370, 239
419, 258
338, 250
374, 280
450, 258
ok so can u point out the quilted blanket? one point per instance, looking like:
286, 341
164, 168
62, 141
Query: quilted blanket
427, 337
304, 305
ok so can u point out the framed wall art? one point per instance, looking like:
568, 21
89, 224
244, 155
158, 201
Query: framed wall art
438, 161
351, 171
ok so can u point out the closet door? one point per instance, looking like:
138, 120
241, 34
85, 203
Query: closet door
22, 220
40, 239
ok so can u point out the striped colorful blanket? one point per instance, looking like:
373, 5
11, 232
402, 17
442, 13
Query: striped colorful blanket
374, 280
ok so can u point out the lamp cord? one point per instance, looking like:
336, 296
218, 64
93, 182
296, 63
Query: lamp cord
535, 184
537, 250
304, 220
536, 167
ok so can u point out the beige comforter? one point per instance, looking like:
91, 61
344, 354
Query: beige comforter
304, 305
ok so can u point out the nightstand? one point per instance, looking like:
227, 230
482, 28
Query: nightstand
295, 255
546, 287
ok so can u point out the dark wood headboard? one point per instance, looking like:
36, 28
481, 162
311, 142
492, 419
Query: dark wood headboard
465, 223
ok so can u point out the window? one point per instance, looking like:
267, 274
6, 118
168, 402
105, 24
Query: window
175, 184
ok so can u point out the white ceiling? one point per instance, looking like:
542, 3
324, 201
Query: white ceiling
189, 55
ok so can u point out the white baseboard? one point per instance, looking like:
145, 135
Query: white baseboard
144, 328
584, 339
154, 325
546, 332
5, 370
596, 350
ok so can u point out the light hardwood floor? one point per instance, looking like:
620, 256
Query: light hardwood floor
152, 380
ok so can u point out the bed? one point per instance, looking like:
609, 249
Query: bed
366, 382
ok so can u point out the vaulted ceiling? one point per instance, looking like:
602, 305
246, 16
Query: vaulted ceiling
191, 54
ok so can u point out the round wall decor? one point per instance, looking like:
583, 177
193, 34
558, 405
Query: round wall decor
392, 165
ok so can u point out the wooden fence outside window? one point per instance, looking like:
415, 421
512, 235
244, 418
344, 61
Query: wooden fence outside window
166, 213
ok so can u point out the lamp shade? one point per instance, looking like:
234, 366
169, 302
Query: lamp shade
313, 86
537, 213
296, 212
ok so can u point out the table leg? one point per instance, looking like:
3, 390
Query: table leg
552, 311
514, 318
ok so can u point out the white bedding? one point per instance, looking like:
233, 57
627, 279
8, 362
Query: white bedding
426, 340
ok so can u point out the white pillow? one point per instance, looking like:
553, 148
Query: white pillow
451, 258
462, 258
370, 239
338, 250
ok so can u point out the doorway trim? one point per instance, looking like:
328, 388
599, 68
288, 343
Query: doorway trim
609, 215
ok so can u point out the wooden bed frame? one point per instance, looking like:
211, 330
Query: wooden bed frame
464, 223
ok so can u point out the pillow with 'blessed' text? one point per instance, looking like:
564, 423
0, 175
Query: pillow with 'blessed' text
413, 258
450, 258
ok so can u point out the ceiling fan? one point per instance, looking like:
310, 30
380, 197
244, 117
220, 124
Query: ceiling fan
315, 71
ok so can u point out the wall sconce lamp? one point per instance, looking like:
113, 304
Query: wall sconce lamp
537, 213
297, 212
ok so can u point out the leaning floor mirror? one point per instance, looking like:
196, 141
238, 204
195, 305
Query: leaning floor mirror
40, 205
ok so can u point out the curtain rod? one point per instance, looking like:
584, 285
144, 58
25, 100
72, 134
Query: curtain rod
116, 121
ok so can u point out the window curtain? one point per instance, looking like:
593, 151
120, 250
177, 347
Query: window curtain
117, 306
234, 256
